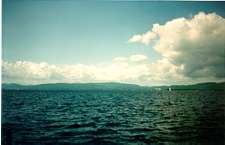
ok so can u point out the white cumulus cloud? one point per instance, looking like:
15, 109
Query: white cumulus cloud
138, 58
121, 69
195, 46
144, 38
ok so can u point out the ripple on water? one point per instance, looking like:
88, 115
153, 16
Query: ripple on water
193, 117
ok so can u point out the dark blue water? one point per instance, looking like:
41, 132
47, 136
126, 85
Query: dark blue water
112, 117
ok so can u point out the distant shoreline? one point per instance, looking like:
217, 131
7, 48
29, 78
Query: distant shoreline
111, 86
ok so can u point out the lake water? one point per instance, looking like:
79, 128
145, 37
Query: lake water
113, 117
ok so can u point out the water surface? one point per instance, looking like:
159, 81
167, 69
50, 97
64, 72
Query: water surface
113, 117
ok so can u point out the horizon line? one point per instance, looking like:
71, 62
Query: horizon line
112, 82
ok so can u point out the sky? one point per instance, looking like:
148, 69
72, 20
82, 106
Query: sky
147, 43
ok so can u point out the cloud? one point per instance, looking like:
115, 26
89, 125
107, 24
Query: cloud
121, 69
195, 46
138, 58
130, 69
144, 38
125, 70
120, 59
192, 51
131, 58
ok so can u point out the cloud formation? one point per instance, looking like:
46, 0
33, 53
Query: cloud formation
192, 51
121, 69
138, 58
144, 38
196, 45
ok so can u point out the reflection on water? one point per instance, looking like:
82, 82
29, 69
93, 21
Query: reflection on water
154, 117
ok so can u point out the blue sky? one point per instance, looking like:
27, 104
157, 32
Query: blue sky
49, 41
68, 32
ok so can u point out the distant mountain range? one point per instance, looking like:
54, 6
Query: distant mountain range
74, 86
200, 86
112, 86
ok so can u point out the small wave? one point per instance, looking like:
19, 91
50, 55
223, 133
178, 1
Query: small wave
112, 124
100, 141
76, 125
105, 131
